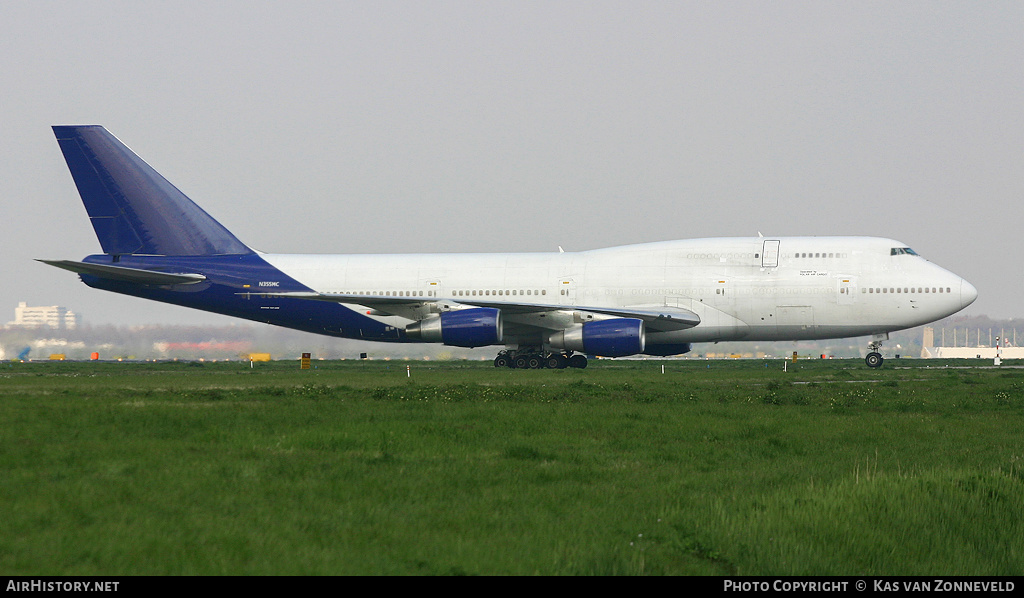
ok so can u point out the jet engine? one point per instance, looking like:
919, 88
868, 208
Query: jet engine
475, 327
608, 338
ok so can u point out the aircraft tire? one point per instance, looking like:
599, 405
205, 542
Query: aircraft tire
556, 362
502, 361
874, 360
578, 361
521, 362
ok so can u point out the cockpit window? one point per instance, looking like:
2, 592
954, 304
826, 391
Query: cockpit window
902, 251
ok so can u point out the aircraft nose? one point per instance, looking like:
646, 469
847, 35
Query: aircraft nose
967, 293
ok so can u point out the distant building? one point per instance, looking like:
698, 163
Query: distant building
50, 316
930, 351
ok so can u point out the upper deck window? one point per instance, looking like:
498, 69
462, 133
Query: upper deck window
902, 251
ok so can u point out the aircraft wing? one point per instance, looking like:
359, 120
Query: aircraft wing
660, 318
135, 275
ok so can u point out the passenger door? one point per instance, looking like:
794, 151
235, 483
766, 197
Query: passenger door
770, 254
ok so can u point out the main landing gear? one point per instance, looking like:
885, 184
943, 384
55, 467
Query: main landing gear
538, 360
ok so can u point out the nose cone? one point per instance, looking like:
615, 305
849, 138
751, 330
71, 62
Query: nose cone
967, 293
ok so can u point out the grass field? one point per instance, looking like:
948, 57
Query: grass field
713, 468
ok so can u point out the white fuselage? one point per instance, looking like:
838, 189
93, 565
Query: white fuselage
742, 288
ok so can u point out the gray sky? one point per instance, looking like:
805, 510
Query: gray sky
389, 127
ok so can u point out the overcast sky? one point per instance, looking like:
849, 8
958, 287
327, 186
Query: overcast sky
392, 127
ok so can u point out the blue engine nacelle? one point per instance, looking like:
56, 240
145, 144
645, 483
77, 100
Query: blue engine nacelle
607, 338
476, 327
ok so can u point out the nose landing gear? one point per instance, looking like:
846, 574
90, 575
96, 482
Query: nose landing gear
874, 358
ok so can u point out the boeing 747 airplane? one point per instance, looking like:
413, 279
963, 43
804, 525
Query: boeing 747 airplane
545, 309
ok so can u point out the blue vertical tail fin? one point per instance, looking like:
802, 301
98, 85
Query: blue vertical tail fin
133, 209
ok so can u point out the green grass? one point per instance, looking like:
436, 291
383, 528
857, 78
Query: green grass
355, 468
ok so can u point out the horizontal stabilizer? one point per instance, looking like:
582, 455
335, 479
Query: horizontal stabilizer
127, 274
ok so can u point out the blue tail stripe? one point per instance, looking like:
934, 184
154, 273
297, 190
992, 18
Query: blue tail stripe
133, 209
229, 279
